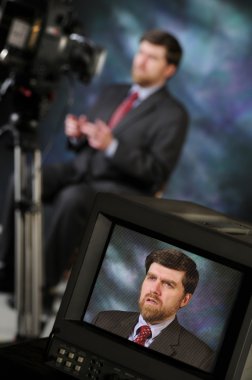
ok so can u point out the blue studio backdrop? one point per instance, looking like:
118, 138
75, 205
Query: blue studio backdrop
214, 81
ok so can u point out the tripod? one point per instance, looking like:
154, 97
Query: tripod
28, 233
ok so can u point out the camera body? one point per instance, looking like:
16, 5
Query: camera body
40, 41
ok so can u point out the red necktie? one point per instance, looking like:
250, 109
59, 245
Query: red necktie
122, 109
143, 335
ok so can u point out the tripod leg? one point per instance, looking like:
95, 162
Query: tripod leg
19, 237
36, 244
28, 250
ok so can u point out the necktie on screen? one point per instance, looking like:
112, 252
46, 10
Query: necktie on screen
143, 335
122, 109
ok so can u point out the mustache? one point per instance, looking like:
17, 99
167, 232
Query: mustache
152, 296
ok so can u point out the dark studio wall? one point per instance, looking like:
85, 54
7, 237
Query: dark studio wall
214, 81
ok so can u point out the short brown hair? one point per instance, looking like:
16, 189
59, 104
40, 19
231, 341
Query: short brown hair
175, 259
166, 39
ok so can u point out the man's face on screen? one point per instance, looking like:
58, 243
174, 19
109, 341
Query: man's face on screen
150, 67
162, 294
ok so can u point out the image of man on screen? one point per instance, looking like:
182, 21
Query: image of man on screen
170, 281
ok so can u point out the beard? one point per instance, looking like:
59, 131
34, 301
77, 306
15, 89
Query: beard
141, 78
156, 312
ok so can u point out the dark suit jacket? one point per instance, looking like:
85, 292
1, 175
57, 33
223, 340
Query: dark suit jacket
173, 341
150, 140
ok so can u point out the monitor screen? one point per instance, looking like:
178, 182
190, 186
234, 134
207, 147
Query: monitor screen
206, 316
156, 269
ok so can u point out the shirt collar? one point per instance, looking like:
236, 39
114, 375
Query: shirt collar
155, 329
144, 92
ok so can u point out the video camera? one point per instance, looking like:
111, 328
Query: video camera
39, 41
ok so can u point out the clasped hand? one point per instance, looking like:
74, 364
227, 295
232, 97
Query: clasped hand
98, 133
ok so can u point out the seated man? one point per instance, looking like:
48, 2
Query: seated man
133, 153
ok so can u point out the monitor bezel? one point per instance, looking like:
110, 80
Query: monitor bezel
167, 226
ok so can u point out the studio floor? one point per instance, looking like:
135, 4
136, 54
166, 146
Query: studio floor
9, 321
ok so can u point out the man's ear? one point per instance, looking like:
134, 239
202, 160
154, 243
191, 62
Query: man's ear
186, 299
170, 70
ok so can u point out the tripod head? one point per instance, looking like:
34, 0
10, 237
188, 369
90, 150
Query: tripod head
23, 104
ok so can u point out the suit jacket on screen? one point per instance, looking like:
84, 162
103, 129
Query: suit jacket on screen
174, 340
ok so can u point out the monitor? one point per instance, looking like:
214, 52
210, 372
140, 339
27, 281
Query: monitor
200, 331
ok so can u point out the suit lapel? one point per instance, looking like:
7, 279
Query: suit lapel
125, 327
167, 341
143, 108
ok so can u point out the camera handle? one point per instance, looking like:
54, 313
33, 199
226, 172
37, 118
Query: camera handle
28, 235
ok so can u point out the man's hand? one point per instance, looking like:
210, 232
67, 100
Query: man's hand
99, 134
73, 125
